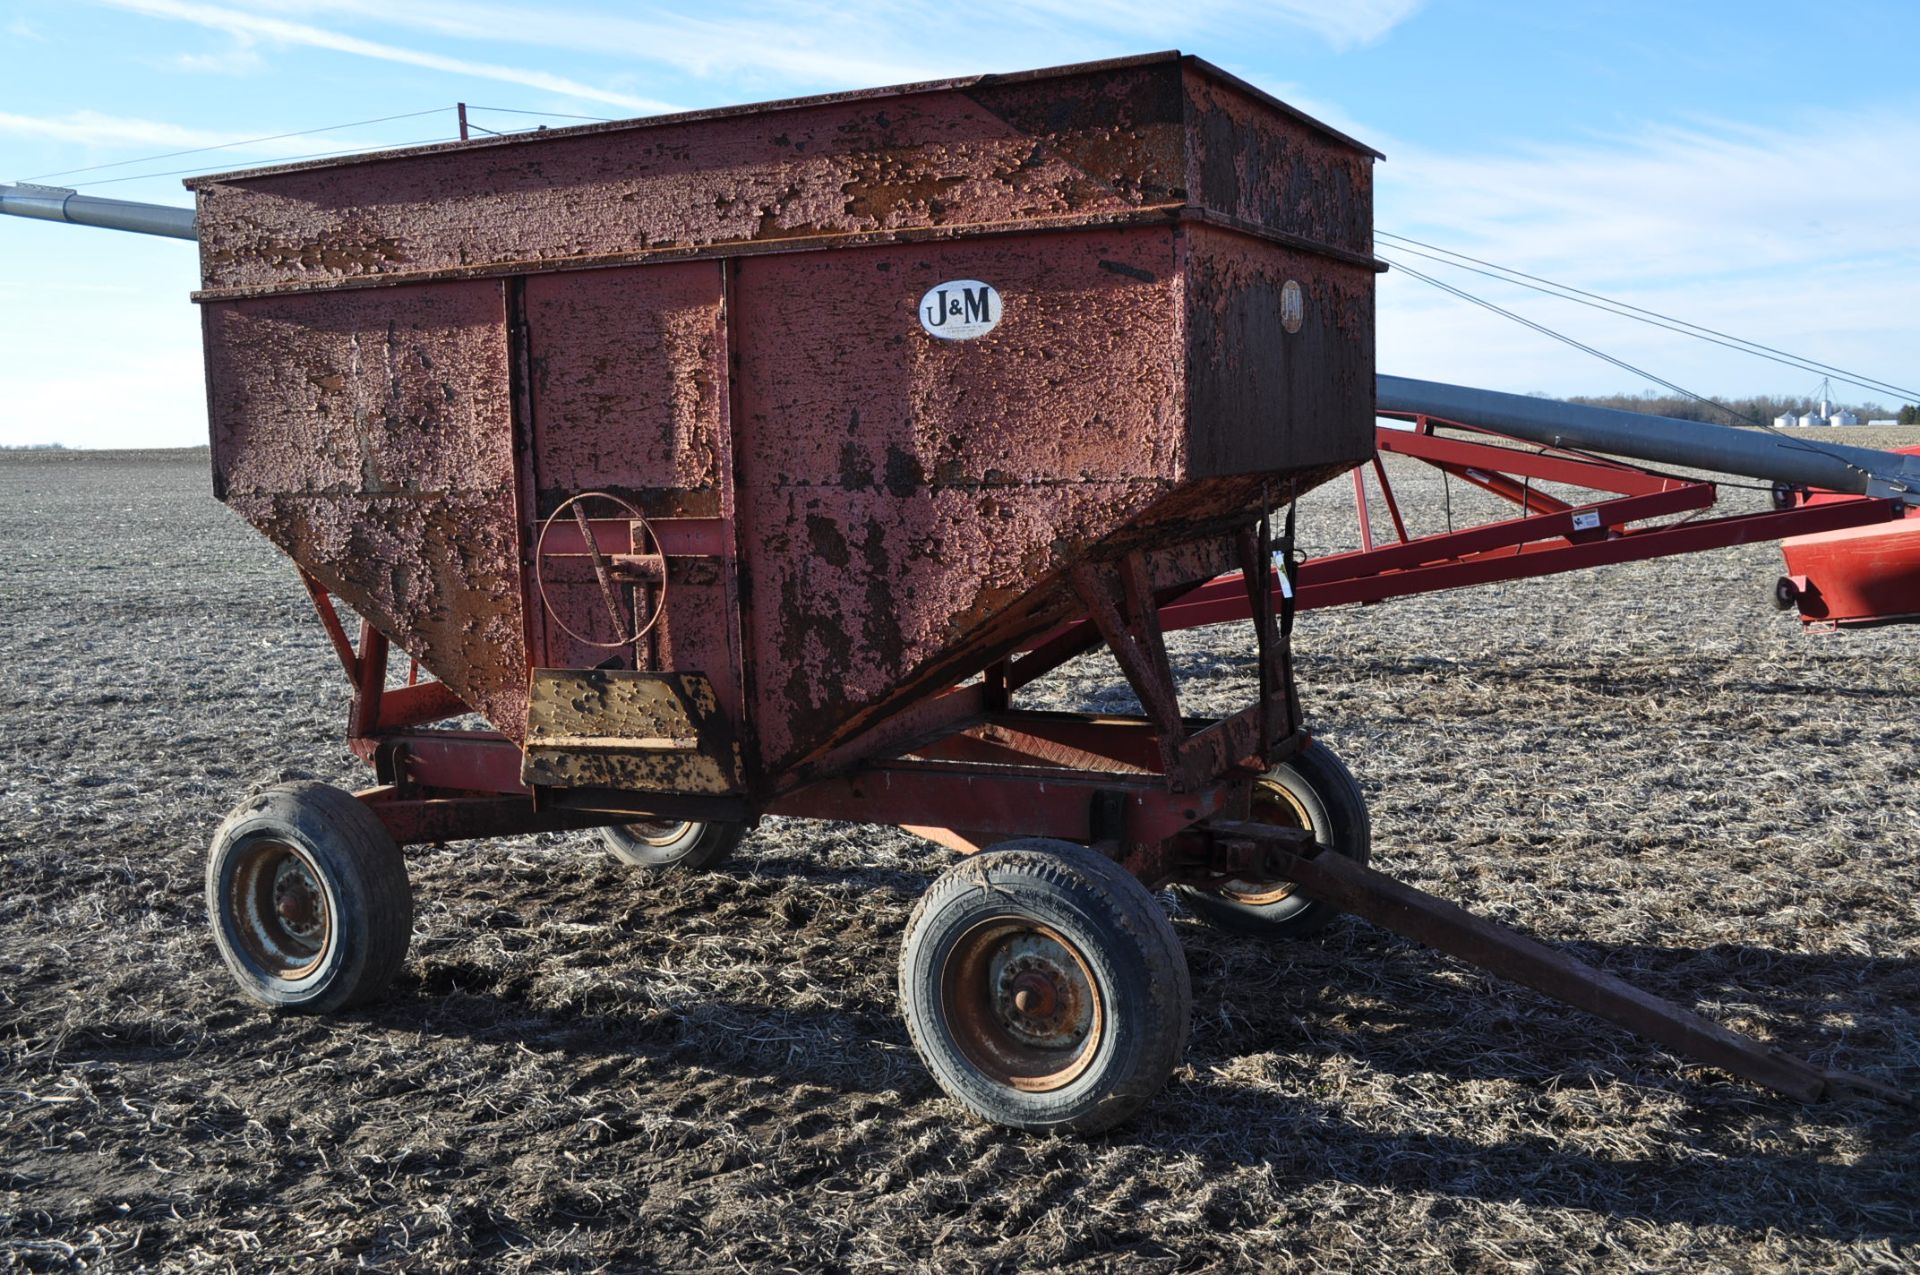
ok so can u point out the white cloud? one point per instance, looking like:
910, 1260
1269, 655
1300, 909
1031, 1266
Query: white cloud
1354, 22
241, 59
814, 44
1343, 25
108, 132
91, 128
1804, 236
819, 45
1678, 202
247, 25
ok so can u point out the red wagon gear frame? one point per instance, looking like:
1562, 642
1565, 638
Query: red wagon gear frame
969, 768
968, 778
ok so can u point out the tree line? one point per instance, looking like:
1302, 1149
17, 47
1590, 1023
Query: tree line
1754, 409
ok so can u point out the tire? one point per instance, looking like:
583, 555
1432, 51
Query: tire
308, 899
1786, 594
670, 844
1045, 988
1313, 789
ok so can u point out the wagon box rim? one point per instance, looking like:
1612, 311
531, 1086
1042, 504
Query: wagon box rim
776, 105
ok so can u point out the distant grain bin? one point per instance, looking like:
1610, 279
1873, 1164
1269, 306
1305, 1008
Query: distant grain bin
1810, 420
1786, 420
1844, 417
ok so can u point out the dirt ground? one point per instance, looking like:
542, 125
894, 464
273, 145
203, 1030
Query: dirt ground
588, 1068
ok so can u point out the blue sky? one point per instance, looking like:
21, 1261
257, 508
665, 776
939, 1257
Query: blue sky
1749, 166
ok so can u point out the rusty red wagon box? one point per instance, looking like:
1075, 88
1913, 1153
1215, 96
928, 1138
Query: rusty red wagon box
750, 461
875, 369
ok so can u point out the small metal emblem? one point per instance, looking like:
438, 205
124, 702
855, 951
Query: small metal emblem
1292, 308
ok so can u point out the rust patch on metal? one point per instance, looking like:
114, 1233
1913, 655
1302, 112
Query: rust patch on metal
1244, 365
893, 508
1251, 164
628, 374
1087, 143
996, 154
639, 731
367, 436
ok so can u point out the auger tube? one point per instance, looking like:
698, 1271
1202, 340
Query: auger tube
1663, 440
57, 203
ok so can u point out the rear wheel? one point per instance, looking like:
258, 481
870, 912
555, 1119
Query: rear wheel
1044, 987
672, 843
1312, 790
308, 898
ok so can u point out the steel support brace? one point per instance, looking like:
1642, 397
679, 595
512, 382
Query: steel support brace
1121, 605
1395, 906
1003, 801
424, 820
330, 621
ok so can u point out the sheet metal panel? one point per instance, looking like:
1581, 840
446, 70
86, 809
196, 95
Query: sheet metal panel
368, 435
1092, 144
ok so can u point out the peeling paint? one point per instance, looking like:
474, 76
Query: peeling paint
857, 515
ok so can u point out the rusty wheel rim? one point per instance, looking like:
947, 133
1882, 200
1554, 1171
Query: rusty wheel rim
280, 911
658, 832
1022, 1004
1274, 805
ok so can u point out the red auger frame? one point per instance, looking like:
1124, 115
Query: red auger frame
1549, 536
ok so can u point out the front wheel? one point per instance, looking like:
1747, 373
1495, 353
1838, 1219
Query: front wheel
1313, 790
1044, 987
672, 843
308, 898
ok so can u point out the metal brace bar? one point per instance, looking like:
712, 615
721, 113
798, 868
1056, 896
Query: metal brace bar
1123, 608
1396, 906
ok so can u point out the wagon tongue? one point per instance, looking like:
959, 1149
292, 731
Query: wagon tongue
1420, 916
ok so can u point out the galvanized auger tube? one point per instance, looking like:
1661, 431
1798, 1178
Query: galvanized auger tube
1661, 439
57, 203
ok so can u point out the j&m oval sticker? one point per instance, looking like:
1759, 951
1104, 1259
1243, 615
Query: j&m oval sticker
960, 309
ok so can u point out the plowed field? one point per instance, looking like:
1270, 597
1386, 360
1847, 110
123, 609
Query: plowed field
584, 1067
